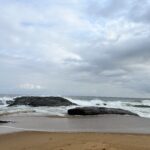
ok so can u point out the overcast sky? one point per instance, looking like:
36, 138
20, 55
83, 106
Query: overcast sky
75, 47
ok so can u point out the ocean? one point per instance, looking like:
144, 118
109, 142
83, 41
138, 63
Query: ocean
140, 106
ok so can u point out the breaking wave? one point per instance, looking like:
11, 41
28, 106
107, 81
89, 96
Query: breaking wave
139, 106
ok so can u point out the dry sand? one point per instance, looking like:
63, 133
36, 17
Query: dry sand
73, 141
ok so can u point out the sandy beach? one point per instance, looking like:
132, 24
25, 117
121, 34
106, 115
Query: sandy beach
73, 141
106, 132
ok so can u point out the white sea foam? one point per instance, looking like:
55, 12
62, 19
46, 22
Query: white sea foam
4, 100
61, 111
126, 105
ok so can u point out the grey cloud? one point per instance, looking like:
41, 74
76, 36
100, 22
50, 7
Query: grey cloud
135, 10
117, 64
140, 11
108, 8
75, 47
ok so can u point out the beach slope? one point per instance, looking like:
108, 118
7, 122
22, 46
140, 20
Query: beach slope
73, 141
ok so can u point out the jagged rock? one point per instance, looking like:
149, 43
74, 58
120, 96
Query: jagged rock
36, 101
98, 110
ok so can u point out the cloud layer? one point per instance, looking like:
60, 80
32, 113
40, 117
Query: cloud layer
75, 47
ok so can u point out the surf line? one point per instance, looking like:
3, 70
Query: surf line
24, 129
13, 127
51, 130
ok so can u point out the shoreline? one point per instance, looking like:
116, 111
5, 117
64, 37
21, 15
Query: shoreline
101, 124
105, 132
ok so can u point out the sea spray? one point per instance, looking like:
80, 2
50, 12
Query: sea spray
108, 102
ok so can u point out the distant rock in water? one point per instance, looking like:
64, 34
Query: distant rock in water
4, 121
98, 111
36, 101
104, 104
1, 103
141, 106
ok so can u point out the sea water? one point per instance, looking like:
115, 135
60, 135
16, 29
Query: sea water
141, 106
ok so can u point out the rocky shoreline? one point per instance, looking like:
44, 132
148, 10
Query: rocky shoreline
36, 101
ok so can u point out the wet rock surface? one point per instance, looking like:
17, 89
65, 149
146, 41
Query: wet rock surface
4, 121
98, 111
36, 101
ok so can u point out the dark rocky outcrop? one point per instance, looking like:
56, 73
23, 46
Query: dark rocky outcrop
98, 110
4, 121
36, 101
141, 106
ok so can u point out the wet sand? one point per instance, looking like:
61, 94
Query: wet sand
73, 141
103, 124
105, 132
